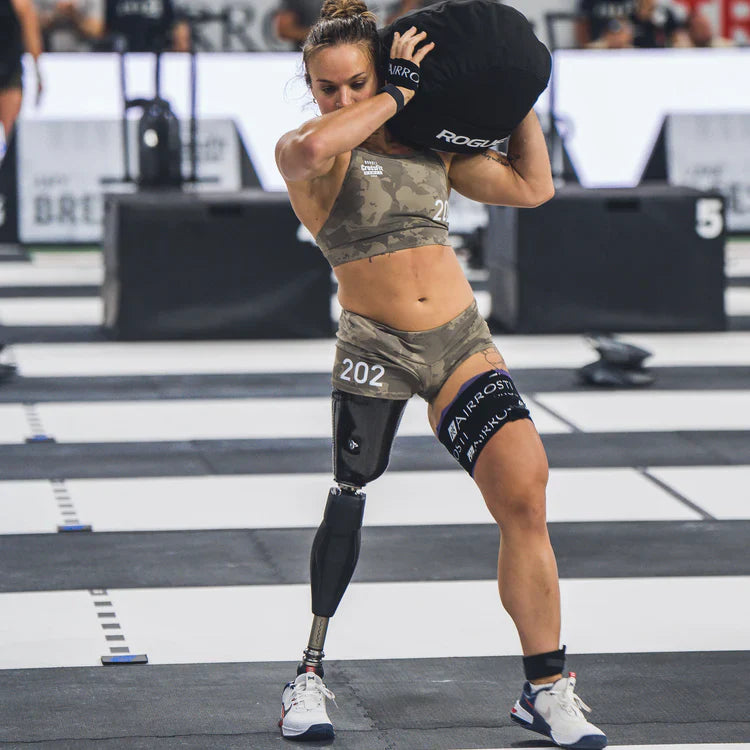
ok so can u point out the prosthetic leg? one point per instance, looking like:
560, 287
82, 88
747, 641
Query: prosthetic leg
363, 432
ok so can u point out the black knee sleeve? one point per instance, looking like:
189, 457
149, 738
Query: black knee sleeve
363, 432
335, 549
483, 405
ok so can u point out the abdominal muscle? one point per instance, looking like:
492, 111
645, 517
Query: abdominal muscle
410, 290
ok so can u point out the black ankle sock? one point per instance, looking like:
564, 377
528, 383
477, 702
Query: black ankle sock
539, 666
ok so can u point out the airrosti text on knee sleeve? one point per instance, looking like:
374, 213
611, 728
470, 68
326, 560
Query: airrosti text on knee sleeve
483, 405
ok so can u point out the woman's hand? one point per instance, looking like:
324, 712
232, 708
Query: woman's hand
403, 67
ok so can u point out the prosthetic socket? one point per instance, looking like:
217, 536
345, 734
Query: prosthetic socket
363, 432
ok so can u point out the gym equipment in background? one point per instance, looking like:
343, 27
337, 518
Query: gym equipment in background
620, 365
211, 265
649, 258
159, 139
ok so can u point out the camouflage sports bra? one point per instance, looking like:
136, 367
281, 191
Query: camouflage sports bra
387, 203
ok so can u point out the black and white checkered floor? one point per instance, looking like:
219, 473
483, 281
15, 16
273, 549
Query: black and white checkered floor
202, 469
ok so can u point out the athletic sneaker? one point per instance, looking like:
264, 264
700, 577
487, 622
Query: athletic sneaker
303, 709
555, 712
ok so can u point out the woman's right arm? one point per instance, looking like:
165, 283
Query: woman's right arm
310, 151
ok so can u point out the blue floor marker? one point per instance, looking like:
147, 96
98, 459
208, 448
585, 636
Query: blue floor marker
74, 527
124, 659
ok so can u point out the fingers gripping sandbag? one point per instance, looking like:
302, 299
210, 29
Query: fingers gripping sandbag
483, 77
363, 432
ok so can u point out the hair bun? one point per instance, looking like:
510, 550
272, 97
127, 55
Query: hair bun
345, 9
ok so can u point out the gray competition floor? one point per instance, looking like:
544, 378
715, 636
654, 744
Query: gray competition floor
202, 469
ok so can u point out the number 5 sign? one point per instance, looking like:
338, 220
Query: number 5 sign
709, 217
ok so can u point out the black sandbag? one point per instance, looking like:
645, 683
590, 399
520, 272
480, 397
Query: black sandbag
483, 77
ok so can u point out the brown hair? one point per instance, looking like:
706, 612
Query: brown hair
342, 22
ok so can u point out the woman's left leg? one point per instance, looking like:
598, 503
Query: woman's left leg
511, 472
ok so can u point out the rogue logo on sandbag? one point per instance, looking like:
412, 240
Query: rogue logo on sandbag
465, 140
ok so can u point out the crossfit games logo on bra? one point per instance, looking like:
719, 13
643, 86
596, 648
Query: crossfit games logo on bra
370, 168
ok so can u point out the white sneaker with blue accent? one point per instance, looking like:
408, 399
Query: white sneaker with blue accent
303, 709
555, 712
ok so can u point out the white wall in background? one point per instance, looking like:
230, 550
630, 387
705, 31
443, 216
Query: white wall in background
613, 101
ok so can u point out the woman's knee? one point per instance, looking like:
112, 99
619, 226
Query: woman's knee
518, 497
526, 510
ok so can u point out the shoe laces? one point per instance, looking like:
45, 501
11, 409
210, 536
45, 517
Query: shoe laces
568, 700
310, 695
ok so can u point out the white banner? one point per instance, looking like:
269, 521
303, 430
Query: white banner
712, 152
65, 167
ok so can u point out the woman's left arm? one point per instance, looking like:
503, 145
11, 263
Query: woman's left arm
523, 178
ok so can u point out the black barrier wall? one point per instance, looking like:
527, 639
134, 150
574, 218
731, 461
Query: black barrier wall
644, 259
180, 265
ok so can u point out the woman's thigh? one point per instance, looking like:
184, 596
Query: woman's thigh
476, 364
513, 462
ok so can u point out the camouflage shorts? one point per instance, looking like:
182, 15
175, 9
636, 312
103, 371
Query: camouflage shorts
375, 360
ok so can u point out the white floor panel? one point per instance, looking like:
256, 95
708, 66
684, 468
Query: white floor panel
28, 507
170, 358
737, 301
610, 495
173, 358
34, 275
396, 499
651, 410
50, 629
599, 616
729, 348
14, 427
51, 311
271, 623
724, 491
213, 419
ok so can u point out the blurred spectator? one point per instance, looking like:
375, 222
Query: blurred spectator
70, 25
701, 33
404, 6
657, 25
19, 31
145, 25
617, 34
294, 19
595, 24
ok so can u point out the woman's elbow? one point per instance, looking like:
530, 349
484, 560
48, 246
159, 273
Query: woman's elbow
299, 157
541, 195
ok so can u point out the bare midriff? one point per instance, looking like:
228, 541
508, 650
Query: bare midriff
410, 290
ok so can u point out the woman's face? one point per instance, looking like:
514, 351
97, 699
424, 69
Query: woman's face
340, 76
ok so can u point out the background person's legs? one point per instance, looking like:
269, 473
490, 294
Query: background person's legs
10, 106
